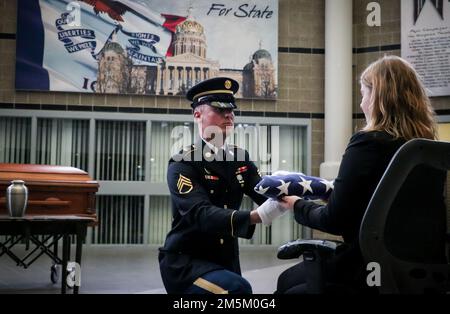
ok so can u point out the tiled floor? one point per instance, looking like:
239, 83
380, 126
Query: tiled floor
129, 269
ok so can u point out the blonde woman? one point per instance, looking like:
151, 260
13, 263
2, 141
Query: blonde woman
396, 109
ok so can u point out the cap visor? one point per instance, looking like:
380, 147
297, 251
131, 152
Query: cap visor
220, 104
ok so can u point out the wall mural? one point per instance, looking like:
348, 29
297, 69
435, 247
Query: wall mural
153, 47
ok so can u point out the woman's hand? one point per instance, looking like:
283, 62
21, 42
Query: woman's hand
288, 201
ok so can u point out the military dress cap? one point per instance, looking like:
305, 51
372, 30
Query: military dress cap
217, 92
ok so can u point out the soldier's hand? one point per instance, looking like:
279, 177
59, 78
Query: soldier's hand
270, 210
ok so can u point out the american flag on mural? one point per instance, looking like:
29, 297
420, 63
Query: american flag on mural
289, 183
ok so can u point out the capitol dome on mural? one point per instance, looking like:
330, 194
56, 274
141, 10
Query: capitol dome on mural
261, 54
190, 26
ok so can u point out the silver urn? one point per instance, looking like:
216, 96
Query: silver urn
17, 198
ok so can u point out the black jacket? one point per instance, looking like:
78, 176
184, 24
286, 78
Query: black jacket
363, 164
206, 197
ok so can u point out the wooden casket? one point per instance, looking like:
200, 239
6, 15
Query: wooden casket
52, 190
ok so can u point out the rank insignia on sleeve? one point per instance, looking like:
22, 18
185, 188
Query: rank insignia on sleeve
184, 185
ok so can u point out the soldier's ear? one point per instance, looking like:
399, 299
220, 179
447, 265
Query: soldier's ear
197, 114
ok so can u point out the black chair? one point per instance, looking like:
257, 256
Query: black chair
398, 274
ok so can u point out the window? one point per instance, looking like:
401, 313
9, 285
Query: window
273, 147
160, 219
121, 220
120, 150
167, 139
62, 142
128, 154
15, 139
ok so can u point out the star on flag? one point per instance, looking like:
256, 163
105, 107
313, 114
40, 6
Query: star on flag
284, 188
308, 187
306, 184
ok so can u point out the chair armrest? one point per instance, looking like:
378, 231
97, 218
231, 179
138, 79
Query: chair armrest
295, 249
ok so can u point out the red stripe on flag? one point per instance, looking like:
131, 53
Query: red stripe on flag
171, 23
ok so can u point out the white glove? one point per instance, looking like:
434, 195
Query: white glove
281, 173
270, 210
286, 173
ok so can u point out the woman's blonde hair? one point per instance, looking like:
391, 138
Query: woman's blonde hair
399, 104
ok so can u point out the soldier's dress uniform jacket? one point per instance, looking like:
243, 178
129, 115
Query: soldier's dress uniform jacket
206, 189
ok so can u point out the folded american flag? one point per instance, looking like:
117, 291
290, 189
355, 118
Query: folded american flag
283, 183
